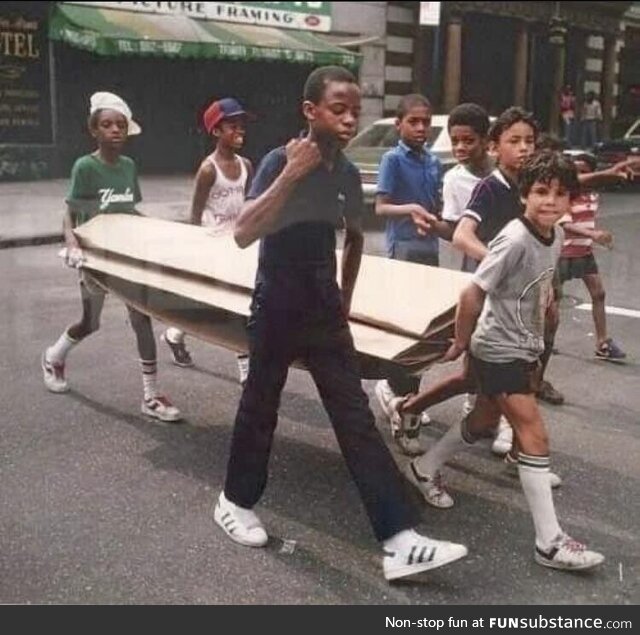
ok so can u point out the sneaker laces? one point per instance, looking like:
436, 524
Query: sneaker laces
438, 482
572, 545
161, 399
56, 368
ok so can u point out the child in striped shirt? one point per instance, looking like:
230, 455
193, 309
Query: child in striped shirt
577, 259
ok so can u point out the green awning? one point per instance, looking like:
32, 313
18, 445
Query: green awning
115, 32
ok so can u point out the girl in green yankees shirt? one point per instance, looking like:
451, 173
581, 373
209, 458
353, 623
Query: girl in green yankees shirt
104, 182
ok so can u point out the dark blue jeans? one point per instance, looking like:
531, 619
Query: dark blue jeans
298, 315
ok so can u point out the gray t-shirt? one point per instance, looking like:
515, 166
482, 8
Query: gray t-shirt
517, 276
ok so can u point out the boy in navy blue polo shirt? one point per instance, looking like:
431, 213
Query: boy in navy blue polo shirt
408, 194
301, 192
495, 202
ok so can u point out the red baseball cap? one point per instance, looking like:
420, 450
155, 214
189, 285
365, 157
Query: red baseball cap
222, 109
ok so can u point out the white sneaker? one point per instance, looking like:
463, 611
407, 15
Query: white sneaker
53, 375
405, 429
385, 396
504, 438
569, 554
432, 489
556, 481
161, 408
243, 368
512, 470
425, 419
423, 554
241, 525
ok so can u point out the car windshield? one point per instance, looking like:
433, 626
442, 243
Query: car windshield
634, 131
386, 136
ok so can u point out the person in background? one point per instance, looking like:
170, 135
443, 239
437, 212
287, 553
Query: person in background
590, 120
568, 114
577, 258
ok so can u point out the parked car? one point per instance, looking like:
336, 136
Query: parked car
367, 147
613, 151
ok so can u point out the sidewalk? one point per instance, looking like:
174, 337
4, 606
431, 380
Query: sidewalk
31, 212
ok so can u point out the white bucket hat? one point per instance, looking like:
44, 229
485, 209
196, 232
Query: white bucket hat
102, 100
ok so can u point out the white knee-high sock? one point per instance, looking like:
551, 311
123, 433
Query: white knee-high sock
534, 476
59, 351
174, 335
149, 378
455, 439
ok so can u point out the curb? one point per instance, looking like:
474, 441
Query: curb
31, 241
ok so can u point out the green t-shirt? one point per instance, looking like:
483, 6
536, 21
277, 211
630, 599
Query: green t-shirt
99, 188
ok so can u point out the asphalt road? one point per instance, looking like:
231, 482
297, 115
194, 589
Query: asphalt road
100, 505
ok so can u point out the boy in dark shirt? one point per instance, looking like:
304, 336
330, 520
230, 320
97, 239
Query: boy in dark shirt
495, 202
299, 195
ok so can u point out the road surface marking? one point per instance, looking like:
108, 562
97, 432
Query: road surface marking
612, 310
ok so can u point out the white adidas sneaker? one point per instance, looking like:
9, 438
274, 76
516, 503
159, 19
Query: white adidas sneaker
421, 554
241, 525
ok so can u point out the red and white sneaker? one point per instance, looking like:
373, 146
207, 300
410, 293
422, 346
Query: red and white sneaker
53, 375
568, 554
161, 408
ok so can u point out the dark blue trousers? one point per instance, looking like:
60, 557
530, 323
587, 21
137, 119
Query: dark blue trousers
299, 316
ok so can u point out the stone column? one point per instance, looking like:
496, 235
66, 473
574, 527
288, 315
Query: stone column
521, 66
453, 64
608, 82
557, 37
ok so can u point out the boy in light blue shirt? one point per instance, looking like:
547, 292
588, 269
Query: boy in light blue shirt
408, 194
409, 186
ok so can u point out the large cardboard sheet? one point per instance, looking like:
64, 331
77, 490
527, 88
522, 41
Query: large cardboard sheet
401, 312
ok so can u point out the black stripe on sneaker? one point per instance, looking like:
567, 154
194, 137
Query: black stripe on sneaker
549, 555
432, 554
416, 474
411, 554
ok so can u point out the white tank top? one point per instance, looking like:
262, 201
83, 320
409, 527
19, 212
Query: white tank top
225, 200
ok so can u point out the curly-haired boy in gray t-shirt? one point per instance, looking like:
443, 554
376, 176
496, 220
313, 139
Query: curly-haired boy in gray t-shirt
500, 321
